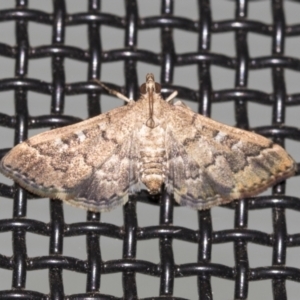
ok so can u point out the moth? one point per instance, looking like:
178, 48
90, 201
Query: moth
96, 163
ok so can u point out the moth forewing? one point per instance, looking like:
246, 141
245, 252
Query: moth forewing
94, 164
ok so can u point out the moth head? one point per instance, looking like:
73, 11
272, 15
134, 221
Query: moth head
150, 85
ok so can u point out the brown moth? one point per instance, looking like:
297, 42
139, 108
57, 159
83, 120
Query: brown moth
96, 163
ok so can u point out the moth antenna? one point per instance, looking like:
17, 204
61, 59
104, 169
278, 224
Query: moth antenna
113, 92
172, 96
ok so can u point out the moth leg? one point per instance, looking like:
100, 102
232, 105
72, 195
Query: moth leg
113, 92
172, 96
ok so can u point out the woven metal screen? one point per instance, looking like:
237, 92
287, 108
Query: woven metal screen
237, 61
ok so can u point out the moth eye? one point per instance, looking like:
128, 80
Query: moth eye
143, 88
157, 87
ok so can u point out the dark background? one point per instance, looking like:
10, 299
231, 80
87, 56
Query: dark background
240, 65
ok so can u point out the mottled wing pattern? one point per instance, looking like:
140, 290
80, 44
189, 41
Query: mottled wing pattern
109, 184
58, 163
211, 163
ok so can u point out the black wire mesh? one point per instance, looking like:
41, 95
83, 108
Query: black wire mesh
167, 269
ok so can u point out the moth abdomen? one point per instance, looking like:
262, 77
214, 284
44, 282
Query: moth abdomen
152, 169
153, 182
